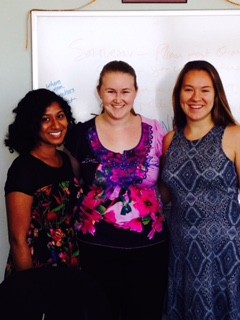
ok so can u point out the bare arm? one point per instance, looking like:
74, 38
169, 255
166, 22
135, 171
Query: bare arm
18, 207
165, 195
231, 146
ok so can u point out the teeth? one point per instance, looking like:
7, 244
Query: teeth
196, 107
55, 134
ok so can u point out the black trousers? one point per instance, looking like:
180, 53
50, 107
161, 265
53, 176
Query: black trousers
52, 294
134, 281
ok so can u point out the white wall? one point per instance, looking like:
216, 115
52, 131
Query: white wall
15, 65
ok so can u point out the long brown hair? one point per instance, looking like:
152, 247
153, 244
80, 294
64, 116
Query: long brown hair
221, 112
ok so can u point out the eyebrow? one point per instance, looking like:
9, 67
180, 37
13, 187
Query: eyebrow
189, 85
109, 88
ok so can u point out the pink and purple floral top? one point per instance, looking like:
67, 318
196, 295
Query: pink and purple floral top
120, 205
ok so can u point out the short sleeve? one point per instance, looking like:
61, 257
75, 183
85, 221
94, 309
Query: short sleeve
159, 131
20, 177
77, 140
71, 142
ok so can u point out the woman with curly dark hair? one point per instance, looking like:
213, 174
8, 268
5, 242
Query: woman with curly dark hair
40, 185
43, 269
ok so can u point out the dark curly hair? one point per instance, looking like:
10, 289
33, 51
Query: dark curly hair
23, 132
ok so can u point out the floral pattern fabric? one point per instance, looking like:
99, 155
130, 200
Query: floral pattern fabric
123, 192
51, 237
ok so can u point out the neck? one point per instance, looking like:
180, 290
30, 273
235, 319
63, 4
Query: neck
196, 130
117, 123
49, 155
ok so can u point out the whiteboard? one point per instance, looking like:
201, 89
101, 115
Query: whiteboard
69, 49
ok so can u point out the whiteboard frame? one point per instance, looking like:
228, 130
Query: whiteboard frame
37, 15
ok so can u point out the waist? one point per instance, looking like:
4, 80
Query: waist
107, 235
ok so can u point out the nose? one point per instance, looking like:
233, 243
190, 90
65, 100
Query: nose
55, 123
196, 95
118, 97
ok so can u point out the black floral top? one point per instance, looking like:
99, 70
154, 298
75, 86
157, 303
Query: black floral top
51, 236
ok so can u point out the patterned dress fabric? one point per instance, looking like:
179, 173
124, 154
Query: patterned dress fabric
204, 224
51, 236
121, 205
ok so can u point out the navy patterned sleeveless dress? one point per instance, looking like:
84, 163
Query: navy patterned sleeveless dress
204, 223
